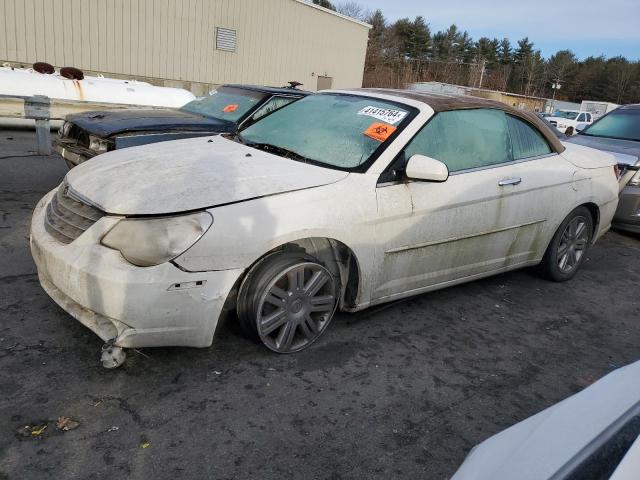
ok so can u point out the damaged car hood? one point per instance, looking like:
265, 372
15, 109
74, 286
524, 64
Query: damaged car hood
110, 122
189, 174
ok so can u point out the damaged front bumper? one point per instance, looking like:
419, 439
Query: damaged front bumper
72, 153
128, 305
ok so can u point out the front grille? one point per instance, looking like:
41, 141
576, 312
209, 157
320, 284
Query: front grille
68, 216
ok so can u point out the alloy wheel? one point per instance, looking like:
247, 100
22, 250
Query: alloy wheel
296, 307
573, 244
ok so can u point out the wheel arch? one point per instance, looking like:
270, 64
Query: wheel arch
594, 210
338, 257
595, 216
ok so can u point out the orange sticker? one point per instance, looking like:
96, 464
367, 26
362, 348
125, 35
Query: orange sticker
230, 108
379, 131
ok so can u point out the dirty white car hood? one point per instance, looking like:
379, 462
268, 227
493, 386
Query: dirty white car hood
189, 174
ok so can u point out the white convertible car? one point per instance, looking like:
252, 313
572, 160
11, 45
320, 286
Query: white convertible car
342, 200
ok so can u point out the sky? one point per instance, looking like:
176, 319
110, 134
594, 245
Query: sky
587, 27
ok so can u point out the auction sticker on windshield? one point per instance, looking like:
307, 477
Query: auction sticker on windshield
379, 131
387, 115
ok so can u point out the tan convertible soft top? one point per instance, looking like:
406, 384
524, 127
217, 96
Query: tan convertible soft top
442, 102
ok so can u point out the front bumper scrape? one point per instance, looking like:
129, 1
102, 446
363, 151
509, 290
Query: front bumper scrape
138, 306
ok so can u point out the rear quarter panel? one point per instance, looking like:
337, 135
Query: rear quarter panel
587, 158
594, 182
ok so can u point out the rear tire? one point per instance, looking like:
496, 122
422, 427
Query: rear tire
287, 301
569, 246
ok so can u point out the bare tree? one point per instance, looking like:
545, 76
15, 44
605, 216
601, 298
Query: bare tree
621, 78
353, 10
532, 72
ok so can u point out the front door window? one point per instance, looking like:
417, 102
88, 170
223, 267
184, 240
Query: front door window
464, 139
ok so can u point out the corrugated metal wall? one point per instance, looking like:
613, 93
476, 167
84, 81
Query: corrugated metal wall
277, 40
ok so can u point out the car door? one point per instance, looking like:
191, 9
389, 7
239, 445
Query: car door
547, 186
431, 234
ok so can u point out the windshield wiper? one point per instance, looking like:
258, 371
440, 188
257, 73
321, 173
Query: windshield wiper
280, 151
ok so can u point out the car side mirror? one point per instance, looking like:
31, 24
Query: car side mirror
421, 167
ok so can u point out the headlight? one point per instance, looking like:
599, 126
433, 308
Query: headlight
635, 180
562, 125
147, 242
64, 129
97, 144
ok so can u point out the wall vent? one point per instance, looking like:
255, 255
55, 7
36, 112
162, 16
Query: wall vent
225, 39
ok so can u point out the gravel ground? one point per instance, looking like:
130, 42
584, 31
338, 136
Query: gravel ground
402, 391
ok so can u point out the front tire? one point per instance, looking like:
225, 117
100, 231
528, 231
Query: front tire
287, 301
569, 132
569, 246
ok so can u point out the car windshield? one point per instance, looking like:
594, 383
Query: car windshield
225, 103
336, 130
621, 124
566, 114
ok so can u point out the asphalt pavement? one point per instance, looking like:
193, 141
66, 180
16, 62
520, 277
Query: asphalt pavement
400, 391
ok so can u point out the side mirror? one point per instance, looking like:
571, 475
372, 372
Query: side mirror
421, 167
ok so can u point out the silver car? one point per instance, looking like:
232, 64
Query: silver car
618, 132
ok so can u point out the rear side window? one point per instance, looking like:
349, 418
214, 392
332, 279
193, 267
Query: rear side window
464, 139
526, 140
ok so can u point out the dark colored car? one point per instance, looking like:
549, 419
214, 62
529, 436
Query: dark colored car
225, 110
618, 132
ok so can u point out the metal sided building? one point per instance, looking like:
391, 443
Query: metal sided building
193, 44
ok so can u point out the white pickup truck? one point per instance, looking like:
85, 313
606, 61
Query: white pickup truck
570, 122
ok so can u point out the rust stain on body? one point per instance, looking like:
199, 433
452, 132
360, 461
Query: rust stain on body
78, 87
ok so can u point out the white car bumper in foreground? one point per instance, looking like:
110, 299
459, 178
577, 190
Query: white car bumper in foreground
133, 306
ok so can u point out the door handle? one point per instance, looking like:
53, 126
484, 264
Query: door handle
510, 181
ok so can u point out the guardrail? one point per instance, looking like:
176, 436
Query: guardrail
42, 109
